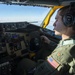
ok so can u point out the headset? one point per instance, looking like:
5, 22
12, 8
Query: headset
69, 18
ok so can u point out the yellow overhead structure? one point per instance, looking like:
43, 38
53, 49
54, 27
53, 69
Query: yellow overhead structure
47, 18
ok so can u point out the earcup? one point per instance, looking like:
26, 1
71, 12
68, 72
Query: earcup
68, 19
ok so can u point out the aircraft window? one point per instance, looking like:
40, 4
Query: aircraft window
52, 20
17, 13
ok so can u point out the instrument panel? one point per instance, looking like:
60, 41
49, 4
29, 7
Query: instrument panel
14, 43
15, 37
19, 40
14, 25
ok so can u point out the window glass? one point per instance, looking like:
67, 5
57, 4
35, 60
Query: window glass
17, 13
52, 20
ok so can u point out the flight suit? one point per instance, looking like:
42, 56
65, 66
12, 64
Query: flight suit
60, 62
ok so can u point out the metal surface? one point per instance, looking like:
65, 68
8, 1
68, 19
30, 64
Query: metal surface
44, 3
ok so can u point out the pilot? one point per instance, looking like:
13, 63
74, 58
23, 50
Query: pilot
62, 60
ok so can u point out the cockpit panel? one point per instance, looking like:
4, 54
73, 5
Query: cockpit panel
22, 39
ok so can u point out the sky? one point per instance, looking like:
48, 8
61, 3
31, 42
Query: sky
15, 13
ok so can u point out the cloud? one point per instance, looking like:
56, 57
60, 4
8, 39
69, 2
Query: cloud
17, 18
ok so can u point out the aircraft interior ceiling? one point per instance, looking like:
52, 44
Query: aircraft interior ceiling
44, 3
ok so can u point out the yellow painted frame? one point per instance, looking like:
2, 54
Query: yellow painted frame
47, 18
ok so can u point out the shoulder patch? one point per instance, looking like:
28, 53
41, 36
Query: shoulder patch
53, 62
